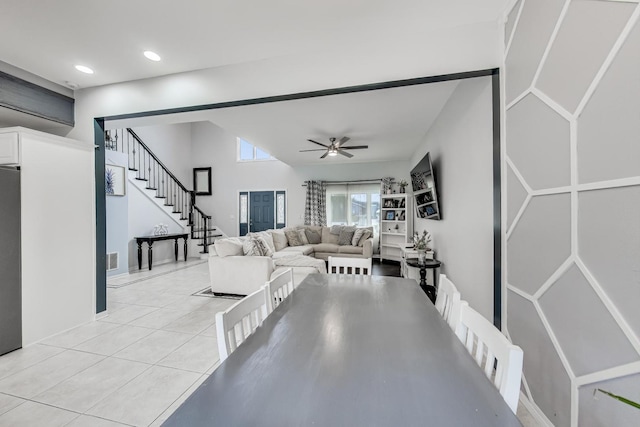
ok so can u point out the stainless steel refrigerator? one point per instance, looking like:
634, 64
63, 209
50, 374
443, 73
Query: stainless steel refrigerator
10, 276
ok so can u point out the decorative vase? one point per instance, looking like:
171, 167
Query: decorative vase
422, 255
402, 189
388, 190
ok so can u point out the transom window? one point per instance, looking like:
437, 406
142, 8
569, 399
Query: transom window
248, 152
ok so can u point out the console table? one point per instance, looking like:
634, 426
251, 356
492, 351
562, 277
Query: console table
151, 239
423, 266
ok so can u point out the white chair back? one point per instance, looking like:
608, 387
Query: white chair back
279, 288
448, 301
234, 325
490, 348
360, 266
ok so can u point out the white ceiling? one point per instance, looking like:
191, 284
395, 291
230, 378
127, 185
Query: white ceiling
49, 38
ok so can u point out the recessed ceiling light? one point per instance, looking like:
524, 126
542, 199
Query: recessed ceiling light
152, 55
84, 69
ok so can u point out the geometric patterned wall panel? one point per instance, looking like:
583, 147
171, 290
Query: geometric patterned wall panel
528, 332
609, 245
582, 44
609, 127
599, 410
517, 195
570, 306
536, 24
510, 21
540, 149
572, 256
540, 242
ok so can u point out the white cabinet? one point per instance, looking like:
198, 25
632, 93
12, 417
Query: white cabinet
395, 225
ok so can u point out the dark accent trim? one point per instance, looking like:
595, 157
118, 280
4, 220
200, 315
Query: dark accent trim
280, 224
29, 98
497, 227
497, 203
101, 218
312, 94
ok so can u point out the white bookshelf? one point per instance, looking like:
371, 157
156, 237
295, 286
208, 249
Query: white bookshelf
395, 225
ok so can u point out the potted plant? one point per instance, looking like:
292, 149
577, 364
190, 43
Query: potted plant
420, 244
387, 182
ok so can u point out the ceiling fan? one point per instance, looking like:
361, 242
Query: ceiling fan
336, 147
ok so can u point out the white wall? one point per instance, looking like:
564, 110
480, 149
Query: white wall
460, 143
172, 145
213, 146
58, 234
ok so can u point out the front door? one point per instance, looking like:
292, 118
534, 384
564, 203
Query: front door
261, 211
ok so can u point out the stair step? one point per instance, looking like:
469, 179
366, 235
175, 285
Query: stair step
150, 188
141, 179
168, 204
159, 197
132, 169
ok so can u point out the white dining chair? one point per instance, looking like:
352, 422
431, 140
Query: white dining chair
235, 324
279, 288
490, 348
448, 301
360, 266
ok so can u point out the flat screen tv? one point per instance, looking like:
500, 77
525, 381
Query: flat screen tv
423, 182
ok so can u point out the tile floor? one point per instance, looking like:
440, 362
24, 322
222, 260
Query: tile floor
133, 367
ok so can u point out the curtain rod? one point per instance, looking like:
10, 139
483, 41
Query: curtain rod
358, 181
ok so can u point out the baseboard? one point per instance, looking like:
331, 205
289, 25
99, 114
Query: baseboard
101, 315
535, 411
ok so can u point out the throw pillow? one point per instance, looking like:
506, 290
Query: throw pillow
367, 233
336, 229
263, 247
357, 236
303, 237
346, 235
313, 236
268, 239
279, 240
250, 248
228, 247
293, 238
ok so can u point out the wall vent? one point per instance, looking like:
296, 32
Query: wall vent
112, 261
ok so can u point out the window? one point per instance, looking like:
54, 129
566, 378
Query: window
248, 152
354, 204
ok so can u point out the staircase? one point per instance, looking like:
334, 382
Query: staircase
150, 174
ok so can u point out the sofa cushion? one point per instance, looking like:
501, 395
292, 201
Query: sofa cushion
336, 229
292, 237
327, 237
346, 235
267, 237
303, 236
279, 240
264, 248
229, 247
348, 249
292, 250
357, 236
313, 236
326, 247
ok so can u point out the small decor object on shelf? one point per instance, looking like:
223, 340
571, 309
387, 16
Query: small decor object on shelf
387, 182
161, 230
420, 243
391, 216
403, 185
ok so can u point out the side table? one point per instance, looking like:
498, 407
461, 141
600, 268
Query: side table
431, 264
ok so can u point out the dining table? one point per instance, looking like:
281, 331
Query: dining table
348, 350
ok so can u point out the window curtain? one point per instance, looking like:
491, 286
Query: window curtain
315, 209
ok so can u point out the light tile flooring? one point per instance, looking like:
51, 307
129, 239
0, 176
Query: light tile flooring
133, 367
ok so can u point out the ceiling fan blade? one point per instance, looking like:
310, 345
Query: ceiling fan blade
344, 153
343, 140
355, 147
315, 149
325, 155
316, 142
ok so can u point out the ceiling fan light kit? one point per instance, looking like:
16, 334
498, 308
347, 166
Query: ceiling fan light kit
335, 148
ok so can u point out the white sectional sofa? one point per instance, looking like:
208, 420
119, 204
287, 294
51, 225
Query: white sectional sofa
233, 272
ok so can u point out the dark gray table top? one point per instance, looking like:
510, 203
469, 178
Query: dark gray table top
349, 351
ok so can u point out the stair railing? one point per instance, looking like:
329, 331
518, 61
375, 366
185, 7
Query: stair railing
149, 168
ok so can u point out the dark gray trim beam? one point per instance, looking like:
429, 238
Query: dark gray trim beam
26, 97
101, 218
497, 203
